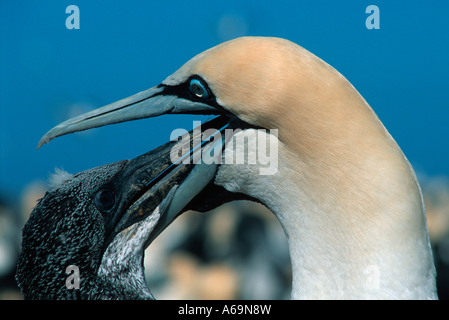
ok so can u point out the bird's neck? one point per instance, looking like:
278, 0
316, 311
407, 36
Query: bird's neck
127, 281
368, 260
122, 266
355, 231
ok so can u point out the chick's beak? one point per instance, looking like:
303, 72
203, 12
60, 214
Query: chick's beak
146, 181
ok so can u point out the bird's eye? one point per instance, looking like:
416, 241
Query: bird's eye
104, 200
198, 89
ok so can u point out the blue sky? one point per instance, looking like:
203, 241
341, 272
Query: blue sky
49, 73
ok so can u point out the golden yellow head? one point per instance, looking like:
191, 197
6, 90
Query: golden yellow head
268, 82
274, 83
246, 75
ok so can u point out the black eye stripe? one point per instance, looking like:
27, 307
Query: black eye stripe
182, 90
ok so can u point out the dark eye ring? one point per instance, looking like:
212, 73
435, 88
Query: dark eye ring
198, 89
104, 200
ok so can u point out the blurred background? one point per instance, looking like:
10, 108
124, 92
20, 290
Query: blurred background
49, 73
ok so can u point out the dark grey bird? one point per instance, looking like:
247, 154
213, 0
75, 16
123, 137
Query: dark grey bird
98, 222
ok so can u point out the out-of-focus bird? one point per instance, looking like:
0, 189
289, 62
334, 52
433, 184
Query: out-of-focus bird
344, 192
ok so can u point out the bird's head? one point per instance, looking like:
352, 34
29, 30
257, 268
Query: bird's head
329, 134
257, 79
266, 82
100, 221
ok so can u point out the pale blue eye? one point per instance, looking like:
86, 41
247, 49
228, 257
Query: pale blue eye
198, 89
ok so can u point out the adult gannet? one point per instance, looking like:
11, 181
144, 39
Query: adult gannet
345, 194
99, 221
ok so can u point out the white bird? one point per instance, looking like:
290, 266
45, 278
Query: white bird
344, 192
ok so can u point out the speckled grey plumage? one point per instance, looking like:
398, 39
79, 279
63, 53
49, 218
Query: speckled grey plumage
66, 228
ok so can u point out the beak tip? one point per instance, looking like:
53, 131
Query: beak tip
52, 133
41, 142
44, 140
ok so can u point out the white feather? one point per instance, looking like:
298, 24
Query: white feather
57, 179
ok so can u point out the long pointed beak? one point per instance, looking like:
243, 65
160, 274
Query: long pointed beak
199, 177
153, 102
148, 179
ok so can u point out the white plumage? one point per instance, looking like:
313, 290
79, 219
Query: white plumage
345, 194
